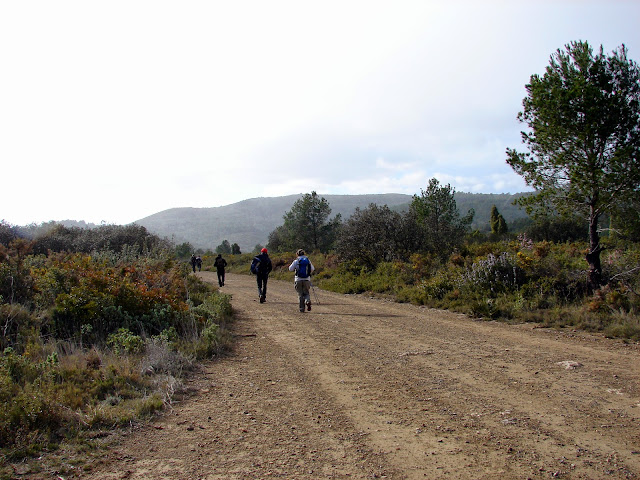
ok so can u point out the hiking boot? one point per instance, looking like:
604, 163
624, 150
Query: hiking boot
302, 310
309, 306
263, 299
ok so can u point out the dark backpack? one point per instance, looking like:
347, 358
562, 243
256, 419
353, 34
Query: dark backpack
255, 265
304, 267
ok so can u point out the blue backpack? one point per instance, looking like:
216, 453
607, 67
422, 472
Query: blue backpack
304, 267
255, 265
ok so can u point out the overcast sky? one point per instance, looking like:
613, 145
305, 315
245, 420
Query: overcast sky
112, 111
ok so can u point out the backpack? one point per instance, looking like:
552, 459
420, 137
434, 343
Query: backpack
255, 265
304, 268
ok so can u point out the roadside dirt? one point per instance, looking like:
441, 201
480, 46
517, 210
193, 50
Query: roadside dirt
363, 388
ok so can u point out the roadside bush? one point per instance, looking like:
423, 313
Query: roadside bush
82, 294
16, 283
123, 341
17, 326
212, 338
493, 275
516, 280
161, 357
29, 418
623, 325
122, 328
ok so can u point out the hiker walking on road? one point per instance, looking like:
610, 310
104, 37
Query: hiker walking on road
302, 281
193, 262
220, 264
199, 262
261, 266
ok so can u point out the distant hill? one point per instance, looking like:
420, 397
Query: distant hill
249, 222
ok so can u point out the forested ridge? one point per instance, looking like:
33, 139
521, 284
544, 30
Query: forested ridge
249, 222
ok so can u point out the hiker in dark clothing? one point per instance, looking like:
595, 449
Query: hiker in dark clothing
199, 263
193, 262
261, 266
220, 263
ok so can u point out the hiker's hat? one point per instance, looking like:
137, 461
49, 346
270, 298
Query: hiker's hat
264, 250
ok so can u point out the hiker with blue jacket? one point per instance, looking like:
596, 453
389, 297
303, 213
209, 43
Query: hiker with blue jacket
302, 281
261, 266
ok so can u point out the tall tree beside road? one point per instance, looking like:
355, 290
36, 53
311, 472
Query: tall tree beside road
583, 137
307, 226
440, 223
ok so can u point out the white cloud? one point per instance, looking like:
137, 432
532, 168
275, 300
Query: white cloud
119, 110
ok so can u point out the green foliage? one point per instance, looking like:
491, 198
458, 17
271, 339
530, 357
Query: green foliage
184, 250
552, 228
146, 296
121, 328
583, 119
8, 233
497, 222
625, 221
16, 283
17, 324
306, 226
512, 281
441, 226
212, 338
235, 249
59, 238
123, 341
224, 247
370, 236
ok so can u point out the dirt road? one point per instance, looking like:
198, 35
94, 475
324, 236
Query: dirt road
362, 388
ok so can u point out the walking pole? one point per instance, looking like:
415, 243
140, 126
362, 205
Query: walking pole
314, 293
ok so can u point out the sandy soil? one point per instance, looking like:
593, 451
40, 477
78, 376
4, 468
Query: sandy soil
363, 388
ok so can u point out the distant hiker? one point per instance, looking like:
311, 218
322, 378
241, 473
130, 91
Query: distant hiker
302, 281
199, 263
220, 264
193, 262
261, 266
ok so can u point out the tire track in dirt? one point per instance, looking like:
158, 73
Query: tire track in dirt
366, 388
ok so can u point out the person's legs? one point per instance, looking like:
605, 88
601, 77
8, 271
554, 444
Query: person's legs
262, 287
299, 285
302, 287
307, 297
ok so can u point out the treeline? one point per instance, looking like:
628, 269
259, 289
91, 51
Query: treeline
97, 329
430, 255
432, 223
56, 237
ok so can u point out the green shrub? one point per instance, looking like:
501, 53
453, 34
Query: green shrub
123, 341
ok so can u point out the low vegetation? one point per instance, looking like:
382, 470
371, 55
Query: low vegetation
514, 280
95, 341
